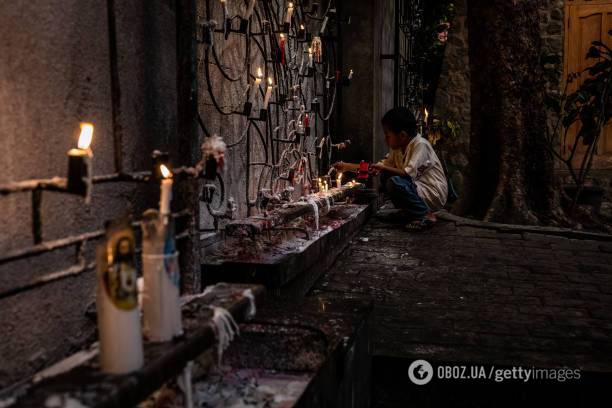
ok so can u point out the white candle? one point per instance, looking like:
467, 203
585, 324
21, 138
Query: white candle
289, 13
268, 93
166, 191
119, 331
350, 75
256, 85
339, 180
310, 57
249, 11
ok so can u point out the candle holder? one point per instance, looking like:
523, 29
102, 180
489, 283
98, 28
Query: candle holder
315, 106
246, 110
79, 164
244, 25
227, 27
208, 29
159, 158
79, 172
263, 115
210, 168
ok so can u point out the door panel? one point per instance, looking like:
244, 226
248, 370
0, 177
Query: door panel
586, 21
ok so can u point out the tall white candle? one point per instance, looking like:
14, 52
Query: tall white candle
289, 13
256, 85
268, 93
166, 191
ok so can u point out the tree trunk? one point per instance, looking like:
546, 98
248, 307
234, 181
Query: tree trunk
511, 175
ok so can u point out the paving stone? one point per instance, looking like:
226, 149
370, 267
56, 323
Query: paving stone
465, 293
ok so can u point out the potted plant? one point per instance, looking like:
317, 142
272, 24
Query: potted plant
587, 110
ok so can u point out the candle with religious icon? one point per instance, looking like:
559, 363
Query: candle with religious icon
79, 164
121, 350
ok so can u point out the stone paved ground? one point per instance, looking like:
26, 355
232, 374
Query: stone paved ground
464, 294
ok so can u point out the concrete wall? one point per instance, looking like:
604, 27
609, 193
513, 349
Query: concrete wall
54, 73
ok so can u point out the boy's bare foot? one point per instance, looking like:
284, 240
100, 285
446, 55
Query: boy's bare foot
427, 221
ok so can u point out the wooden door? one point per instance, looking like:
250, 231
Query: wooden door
586, 21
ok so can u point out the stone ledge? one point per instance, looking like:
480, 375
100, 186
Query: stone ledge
294, 266
163, 361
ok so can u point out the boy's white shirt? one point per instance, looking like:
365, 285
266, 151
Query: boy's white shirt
421, 163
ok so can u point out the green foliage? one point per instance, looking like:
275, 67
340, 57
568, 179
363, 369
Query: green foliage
588, 110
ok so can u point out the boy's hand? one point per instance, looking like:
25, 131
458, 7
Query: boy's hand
339, 166
376, 168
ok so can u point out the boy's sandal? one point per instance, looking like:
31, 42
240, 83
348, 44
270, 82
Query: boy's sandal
420, 225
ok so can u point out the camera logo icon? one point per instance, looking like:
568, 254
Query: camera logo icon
420, 372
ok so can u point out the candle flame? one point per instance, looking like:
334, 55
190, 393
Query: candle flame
259, 73
270, 82
302, 27
290, 4
426, 114
282, 36
86, 135
166, 173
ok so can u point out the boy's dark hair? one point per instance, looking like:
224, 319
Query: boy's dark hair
398, 119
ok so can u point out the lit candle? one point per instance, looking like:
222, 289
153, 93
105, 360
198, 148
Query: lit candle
339, 180
282, 48
225, 11
307, 124
166, 191
426, 115
302, 32
350, 75
268, 93
79, 164
289, 14
256, 85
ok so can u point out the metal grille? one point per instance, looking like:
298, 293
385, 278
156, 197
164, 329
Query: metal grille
408, 65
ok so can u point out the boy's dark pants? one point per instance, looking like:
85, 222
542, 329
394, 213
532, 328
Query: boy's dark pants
403, 194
